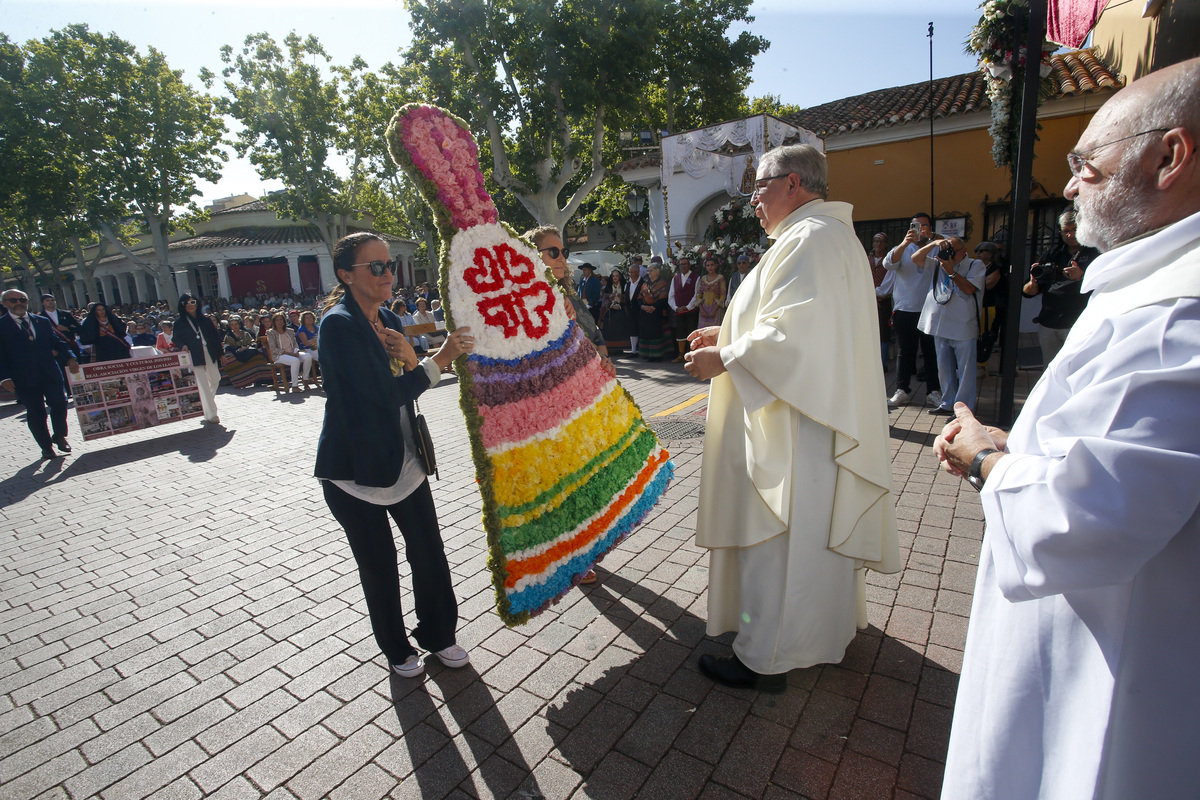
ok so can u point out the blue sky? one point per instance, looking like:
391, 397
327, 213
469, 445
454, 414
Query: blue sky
821, 50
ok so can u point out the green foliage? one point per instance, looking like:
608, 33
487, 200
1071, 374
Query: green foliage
770, 104
545, 84
291, 115
97, 134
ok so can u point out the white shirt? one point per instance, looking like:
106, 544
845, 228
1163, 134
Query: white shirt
412, 471
912, 282
958, 318
1079, 676
20, 327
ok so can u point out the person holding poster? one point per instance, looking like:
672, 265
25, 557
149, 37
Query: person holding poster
198, 335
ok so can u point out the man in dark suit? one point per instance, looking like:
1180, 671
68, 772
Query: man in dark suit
589, 290
31, 353
63, 321
633, 289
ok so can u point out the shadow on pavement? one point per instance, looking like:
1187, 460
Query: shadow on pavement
884, 700
434, 744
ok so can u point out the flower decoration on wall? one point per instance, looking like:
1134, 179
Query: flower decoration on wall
993, 39
566, 465
734, 223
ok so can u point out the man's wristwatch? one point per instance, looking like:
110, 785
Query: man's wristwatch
973, 473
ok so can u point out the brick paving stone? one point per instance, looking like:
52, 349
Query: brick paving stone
751, 756
158, 773
677, 776
226, 633
862, 778
804, 773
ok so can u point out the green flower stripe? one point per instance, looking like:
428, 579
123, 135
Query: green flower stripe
584, 503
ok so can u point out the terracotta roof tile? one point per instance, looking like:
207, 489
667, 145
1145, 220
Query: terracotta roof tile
253, 205
1076, 71
250, 236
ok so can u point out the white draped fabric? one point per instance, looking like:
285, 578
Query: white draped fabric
696, 151
1079, 676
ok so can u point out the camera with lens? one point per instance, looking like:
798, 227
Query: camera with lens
1047, 272
946, 253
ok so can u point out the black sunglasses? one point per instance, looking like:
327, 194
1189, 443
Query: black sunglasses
554, 251
378, 267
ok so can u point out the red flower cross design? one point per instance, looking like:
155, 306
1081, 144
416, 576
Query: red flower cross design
527, 304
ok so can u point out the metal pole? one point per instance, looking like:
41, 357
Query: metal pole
932, 213
1035, 34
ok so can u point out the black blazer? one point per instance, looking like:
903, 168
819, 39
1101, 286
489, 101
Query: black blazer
634, 302
105, 348
361, 440
184, 337
67, 320
32, 364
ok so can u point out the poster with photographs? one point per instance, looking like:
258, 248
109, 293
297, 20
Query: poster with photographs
114, 397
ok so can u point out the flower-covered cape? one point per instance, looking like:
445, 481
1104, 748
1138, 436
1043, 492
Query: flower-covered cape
566, 465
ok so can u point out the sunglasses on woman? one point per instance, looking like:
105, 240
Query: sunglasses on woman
378, 267
555, 251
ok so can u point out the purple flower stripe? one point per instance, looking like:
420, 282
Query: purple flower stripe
510, 388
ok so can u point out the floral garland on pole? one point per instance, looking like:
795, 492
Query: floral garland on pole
992, 41
566, 465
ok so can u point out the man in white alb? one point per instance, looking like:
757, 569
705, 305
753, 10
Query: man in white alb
1079, 677
796, 488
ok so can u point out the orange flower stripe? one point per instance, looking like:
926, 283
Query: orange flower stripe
538, 564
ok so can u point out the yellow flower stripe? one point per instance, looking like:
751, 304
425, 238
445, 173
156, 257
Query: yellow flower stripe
517, 520
522, 473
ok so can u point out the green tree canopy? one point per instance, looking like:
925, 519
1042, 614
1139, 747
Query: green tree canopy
544, 82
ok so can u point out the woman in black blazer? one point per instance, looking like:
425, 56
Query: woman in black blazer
366, 459
199, 335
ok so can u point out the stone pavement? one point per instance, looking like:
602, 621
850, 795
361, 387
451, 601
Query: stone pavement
181, 617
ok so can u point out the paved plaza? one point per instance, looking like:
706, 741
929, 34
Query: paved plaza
180, 617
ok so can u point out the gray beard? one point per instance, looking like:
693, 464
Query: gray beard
1117, 213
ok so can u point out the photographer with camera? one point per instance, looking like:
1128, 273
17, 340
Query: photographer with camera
1056, 277
951, 316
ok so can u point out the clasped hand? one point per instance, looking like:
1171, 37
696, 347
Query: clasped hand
962, 438
703, 359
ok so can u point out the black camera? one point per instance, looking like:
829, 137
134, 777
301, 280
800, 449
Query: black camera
1047, 272
946, 253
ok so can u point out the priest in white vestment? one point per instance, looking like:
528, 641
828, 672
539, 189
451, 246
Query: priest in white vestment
796, 487
1081, 675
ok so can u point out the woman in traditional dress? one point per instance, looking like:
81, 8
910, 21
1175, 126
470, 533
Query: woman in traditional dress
614, 322
105, 332
367, 460
712, 294
654, 335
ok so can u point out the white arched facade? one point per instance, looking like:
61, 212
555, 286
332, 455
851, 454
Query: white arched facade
700, 170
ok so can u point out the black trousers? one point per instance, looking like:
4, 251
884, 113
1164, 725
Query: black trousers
36, 399
370, 536
908, 338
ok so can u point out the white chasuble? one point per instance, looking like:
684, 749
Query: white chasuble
1079, 677
796, 484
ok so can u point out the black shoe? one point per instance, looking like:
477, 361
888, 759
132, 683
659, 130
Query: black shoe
49, 453
942, 411
730, 671
61, 443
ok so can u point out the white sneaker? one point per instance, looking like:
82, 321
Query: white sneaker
900, 398
934, 398
411, 668
454, 657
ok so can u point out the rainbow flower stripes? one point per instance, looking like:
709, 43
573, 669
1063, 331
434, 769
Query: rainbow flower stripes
566, 465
